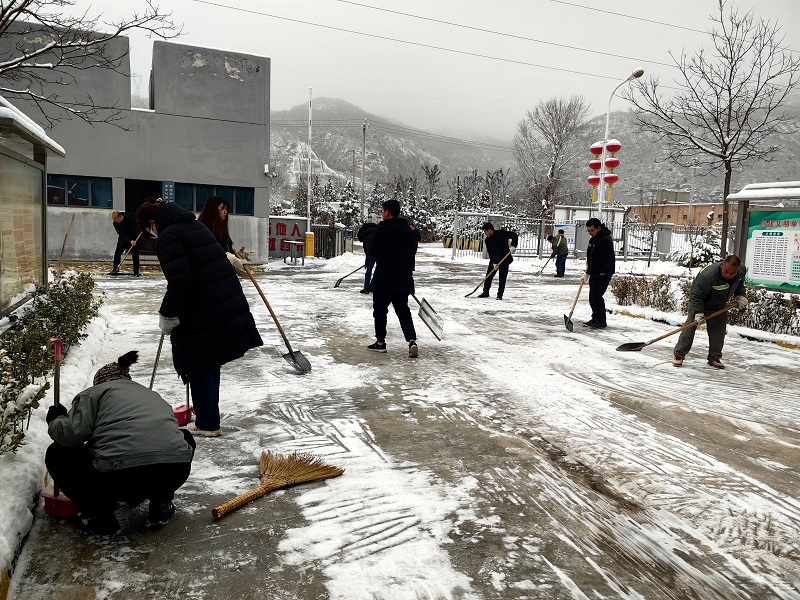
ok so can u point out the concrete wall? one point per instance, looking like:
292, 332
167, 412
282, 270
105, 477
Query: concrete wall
210, 126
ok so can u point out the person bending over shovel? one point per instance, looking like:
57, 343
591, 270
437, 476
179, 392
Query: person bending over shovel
712, 290
118, 443
498, 244
204, 311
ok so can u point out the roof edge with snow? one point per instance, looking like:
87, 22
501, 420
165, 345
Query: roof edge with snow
778, 190
26, 128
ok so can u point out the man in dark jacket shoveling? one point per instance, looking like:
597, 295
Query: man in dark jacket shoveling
498, 244
713, 288
118, 443
600, 266
393, 245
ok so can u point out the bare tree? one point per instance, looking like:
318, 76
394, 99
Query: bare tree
728, 109
545, 142
42, 50
433, 175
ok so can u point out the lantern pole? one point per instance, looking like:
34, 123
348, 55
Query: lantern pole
600, 188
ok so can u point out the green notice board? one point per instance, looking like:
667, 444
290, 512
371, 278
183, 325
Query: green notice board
773, 249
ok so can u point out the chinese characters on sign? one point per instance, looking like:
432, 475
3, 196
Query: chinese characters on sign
282, 230
773, 249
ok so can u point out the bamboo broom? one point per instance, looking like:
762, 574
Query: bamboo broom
279, 471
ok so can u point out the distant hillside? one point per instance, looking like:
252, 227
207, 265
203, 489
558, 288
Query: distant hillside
393, 150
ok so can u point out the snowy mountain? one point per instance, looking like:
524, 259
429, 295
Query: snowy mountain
394, 149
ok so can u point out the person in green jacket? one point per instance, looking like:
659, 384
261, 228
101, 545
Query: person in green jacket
560, 252
119, 442
713, 288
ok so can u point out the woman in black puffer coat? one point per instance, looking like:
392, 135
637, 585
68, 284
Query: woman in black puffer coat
204, 310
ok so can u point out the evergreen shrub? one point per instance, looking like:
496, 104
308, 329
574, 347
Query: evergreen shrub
62, 310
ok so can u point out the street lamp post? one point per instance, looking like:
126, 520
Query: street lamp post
601, 195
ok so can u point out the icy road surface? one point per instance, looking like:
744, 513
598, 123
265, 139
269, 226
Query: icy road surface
511, 460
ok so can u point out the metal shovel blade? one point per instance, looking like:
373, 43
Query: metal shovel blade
631, 347
298, 361
568, 323
431, 319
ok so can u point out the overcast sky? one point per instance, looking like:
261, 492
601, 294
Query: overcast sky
450, 92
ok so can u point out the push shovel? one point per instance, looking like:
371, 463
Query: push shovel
489, 274
568, 319
430, 318
636, 346
545, 265
341, 279
294, 358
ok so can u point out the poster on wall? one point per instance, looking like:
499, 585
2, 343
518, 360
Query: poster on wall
21, 247
773, 249
282, 230
569, 231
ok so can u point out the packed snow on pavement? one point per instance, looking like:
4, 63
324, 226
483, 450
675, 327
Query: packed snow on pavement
513, 459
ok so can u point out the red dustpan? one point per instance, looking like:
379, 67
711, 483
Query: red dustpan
56, 503
183, 414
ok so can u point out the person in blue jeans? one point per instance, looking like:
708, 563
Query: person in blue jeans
204, 311
365, 234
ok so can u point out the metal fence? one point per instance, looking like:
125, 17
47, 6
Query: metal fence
631, 240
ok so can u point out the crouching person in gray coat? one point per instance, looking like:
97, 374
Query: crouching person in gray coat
118, 443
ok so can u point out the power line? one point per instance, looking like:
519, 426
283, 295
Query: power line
616, 14
421, 45
501, 33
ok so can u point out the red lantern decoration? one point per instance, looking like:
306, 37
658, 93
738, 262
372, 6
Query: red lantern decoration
597, 148
610, 179
612, 163
613, 146
594, 180
595, 165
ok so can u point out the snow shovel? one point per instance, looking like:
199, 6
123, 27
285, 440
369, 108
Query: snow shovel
543, 268
127, 251
568, 319
295, 358
341, 279
489, 274
430, 318
636, 346
56, 503
278, 471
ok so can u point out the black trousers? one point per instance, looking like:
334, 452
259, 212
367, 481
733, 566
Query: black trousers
123, 245
598, 284
97, 492
501, 282
380, 310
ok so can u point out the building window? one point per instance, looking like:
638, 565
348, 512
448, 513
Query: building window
71, 190
193, 196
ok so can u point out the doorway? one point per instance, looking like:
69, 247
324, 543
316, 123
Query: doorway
136, 191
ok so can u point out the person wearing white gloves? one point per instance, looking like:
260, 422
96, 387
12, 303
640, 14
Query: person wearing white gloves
204, 309
501, 245
713, 289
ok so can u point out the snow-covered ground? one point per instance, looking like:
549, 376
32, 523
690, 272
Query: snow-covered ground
511, 460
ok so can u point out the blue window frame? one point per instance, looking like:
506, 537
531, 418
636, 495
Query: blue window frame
74, 190
193, 196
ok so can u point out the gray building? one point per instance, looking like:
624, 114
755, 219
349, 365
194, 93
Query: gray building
206, 133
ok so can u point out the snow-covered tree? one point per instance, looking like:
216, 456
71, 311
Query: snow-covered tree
546, 142
349, 213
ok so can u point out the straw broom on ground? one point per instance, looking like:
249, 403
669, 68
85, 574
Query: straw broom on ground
279, 471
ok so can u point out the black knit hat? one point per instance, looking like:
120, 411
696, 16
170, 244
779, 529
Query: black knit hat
116, 370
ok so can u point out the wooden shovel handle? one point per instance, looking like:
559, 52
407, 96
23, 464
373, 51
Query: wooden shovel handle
490, 273
692, 324
264, 298
239, 501
127, 251
578, 295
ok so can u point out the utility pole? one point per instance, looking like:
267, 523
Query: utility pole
363, 160
354, 167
